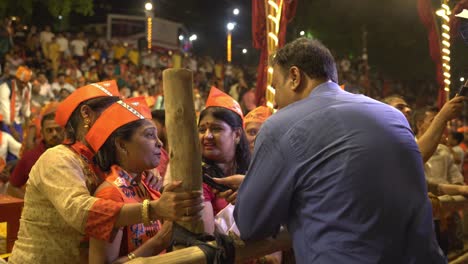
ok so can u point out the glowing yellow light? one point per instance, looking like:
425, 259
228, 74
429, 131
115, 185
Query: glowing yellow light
274, 19
440, 12
447, 58
272, 28
229, 42
445, 35
446, 74
447, 82
446, 43
274, 37
150, 32
274, 5
271, 89
447, 28
446, 51
447, 89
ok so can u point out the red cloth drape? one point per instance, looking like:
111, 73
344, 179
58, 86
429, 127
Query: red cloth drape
427, 17
259, 36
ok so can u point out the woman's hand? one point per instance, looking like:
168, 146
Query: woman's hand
164, 236
153, 179
177, 206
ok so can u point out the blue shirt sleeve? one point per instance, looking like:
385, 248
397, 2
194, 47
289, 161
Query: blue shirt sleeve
264, 197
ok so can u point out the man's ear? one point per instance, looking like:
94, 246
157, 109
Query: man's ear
296, 78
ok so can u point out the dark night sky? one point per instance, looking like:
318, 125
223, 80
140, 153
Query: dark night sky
397, 42
206, 18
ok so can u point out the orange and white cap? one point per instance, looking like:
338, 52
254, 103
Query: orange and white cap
221, 99
259, 115
23, 74
117, 115
90, 91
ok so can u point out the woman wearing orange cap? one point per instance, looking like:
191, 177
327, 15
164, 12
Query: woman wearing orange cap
58, 206
225, 150
125, 149
253, 121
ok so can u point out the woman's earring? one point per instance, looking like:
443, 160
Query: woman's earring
86, 123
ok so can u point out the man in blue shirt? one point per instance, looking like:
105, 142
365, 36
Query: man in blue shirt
341, 171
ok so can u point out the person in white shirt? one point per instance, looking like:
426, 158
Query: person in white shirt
78, 46
453, 142
45, 37
8, 144
61, 84
441, 167
63, 43
45, 87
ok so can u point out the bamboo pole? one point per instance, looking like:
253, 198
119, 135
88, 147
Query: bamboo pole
182, 136
244, 251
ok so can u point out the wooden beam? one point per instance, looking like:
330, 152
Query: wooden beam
182, 134
244, 251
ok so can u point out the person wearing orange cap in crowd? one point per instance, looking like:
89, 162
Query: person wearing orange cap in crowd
252, 123
58, 205
224, 147
51, 134
126, 148
15, 97
33, 135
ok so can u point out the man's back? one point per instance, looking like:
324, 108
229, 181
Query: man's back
347, 180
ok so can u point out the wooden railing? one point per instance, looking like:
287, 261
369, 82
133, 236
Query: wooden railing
251, 250
458, 203
244, 251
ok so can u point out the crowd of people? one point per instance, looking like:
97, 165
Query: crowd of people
84, 126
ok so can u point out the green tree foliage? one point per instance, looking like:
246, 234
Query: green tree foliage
24, 8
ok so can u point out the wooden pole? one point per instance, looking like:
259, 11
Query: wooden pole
182, 135
249, 250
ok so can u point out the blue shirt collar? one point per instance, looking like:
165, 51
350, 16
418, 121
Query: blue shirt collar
325, 87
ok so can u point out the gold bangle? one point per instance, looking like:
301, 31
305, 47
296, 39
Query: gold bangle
145, 212
131, 256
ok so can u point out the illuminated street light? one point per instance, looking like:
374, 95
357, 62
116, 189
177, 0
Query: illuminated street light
60, 17
244, 51
193, 37
230, 26
149, 6
302, 33
462, 79
181, 37
235, 11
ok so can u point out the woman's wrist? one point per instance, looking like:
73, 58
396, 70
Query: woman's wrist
153, 211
